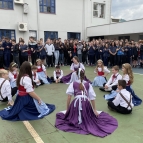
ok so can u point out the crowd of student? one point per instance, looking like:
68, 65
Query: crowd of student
80, 117
54, 52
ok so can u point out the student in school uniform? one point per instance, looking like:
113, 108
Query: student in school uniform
113, 81
42, 52
1, 55
123, 101
101, 73
91, 53
5, 88
73, 75
35, 78
15, 50
50, 49
28, 105
13, 74
106, 54
24, 51
81, 115
33, 47
41, 71
57, 75
112, 51
7, 52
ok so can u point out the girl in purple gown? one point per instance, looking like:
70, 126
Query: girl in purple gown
81, 117
73, 75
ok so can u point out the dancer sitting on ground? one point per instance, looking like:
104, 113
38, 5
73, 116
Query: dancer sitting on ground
101, 73
123, 101
57, 75
113, 81
81, 117
5, 88
73, 75
28, 105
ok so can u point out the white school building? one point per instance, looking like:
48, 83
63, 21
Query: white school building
81, 19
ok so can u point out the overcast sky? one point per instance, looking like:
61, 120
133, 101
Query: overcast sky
127, 9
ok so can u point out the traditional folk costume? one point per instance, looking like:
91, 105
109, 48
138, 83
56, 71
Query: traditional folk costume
112, 82
25, 107
135, 99
122, 102
12, 78
41, 74
80, 117
73, 75
5, 90
35, 78
57, 74
100, 80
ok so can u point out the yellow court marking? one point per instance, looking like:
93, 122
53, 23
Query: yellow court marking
32, 131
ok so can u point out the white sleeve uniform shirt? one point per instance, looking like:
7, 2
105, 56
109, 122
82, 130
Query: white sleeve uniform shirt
120, 101
5, 89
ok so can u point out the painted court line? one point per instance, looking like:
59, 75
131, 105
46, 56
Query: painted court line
32, 131
138, 73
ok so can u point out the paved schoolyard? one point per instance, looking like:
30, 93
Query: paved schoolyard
130, 128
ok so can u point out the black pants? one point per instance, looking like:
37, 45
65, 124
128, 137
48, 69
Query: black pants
84, 58
52, 79
50, 60
114, 87
118, 108
112, 60
24, 58
33, 58
13, 92
1, 61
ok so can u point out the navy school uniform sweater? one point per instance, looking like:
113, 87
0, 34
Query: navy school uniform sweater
91, 51
1, 51
6, 50
22, 48
16, 50
33, 45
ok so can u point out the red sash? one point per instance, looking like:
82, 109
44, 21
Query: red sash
100, 73
40, 70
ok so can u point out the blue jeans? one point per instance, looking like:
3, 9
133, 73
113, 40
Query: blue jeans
61, 59
7, 59
56, 53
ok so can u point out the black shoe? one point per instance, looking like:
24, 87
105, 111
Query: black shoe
102, 89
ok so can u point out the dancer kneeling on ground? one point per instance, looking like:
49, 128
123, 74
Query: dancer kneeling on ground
81, 117
101, 72
123, 101
113, 81
6, 92
73, 75
28, 105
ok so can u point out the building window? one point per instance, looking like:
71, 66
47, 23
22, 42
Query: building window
50, 34
47, 6
124, 38
72, 35
98, 10
7, 33
141, 37
6, 4
33, 33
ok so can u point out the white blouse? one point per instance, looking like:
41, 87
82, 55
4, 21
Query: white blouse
11, 76
105, 70
126, 78
27, 83
91, 93
35, 79
76, 66
6, 89
54, 73
43, 67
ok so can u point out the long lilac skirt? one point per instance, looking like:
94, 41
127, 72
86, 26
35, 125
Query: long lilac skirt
66, 79
101, 126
